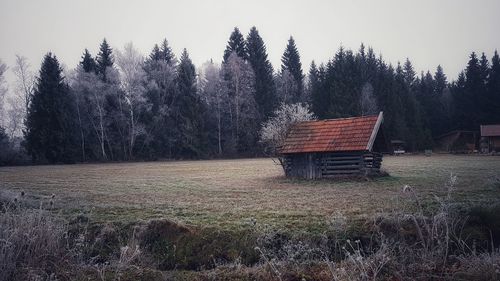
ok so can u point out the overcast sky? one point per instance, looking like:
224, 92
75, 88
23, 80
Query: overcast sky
428, 32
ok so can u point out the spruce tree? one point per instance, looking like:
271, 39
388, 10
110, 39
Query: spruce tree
290, 60
265, 91
484, 66
474, 85
386, 84
493, 86
50, 126
408, 73
236, 44
440, 80
440, 102
88, 63
188, 111
104, 59
166, 52
461, 103
319, 98
155, 53
160, 93
483, 97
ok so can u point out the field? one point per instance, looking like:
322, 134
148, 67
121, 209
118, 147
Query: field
231, 193
243, 220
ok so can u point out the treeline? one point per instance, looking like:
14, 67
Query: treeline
119, 105
417, 108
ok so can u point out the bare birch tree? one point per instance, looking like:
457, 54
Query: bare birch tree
240, 91
132, 79
3, 93
368, 102
287, 87
210, 84
90, 94
20, 99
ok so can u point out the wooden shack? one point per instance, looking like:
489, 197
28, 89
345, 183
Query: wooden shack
334, 148
490, 138
458, 141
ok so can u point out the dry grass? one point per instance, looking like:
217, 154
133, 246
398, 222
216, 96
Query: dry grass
231, 193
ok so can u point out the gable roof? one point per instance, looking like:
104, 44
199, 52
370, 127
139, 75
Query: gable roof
490, 130
454, 132
333, 135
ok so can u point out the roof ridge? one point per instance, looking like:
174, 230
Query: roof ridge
343, 118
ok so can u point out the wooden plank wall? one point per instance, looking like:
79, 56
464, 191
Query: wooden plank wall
327, 165
341, 164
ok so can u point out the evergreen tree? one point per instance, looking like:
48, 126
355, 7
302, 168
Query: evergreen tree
8, 152
318, 91
236, 44
343, 85
462, 103
484, 66
188, 112
399, 102
484, 101
160, 94
166, 52
493, 86
441, 102
429, 102
88, 63
104, 59
416, 137
155, 53
265, 91
290, 61
408, 73
473, 91
440, 80
317, 97
50, 134
385, 88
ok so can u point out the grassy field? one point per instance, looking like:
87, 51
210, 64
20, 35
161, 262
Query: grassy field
231, 193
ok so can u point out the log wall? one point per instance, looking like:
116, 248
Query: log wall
327, 165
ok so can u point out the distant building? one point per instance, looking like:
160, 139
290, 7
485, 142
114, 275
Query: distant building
490, 138
457, 141
398, 147
334, 147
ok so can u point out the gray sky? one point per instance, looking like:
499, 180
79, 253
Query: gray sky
428, 32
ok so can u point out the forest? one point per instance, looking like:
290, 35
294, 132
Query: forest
118, 105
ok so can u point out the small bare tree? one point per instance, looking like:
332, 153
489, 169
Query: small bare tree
132, 80
211, 88
240, 91
21, 96
273, 132
3, 92
90, 97
287, 87
368, 103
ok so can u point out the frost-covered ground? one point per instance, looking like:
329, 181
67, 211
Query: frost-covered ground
231, 193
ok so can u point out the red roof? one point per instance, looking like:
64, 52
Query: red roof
333, 135
490, 130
